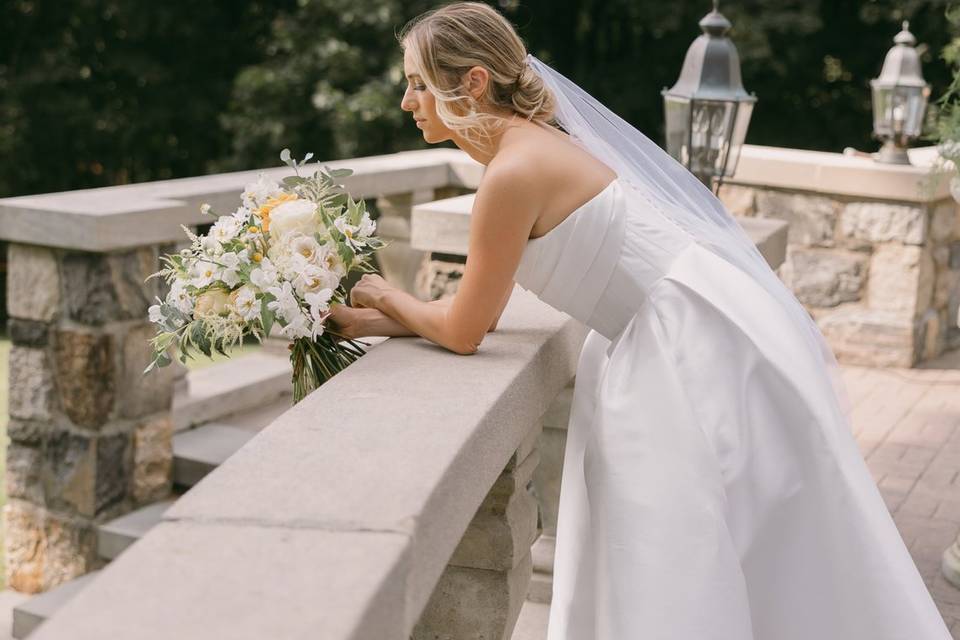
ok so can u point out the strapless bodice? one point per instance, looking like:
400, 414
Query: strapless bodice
599, 264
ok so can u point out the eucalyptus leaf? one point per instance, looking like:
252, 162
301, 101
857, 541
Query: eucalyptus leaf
285, 155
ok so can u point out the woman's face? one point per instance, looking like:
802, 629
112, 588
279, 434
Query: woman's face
418, 100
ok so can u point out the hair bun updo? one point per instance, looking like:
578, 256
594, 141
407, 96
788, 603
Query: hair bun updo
447, 41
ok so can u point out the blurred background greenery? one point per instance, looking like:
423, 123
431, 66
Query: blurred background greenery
102, 92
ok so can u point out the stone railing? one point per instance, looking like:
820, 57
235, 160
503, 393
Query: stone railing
874, 249
393, 501
90, 438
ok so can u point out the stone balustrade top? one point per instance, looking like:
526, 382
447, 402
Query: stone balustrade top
338, 519
443, 226
126, 216
839, 174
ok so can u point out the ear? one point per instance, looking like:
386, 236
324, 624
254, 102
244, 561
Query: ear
475, 80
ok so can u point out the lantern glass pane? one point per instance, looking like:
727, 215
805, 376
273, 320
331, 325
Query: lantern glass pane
882, 111
711, 125
744, 111
915, 105
677, 113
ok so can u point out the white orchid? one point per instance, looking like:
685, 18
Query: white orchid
356, 234
179, 297
211, 246
256, 193
245, 303
264, 276
154, 314
225, 229
285, 303
229, 268
203, 273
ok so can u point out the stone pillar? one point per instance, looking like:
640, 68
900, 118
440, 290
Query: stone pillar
481, 591
398, 261
90, 437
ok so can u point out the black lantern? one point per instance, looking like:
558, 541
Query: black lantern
899, 99
708, 111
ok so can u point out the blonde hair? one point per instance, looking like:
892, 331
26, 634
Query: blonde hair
447, 41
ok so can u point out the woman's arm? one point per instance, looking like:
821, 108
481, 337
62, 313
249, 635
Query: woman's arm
503, 214
361, 322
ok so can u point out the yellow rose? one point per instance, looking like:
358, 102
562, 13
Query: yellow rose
213, 302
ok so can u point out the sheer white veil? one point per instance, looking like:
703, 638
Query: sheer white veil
685, 200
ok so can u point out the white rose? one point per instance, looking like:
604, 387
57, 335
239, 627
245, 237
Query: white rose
213, 302
293, 216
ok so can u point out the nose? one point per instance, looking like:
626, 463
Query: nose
407, 102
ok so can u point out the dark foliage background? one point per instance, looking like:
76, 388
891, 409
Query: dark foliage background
100, 92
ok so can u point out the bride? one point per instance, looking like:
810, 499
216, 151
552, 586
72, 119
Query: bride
711, 488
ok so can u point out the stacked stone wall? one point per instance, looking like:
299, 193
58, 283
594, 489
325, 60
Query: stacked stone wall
882, 278
90, 437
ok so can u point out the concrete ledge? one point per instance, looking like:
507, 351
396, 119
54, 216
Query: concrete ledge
837, 174
348, 506
444, 226
125, 216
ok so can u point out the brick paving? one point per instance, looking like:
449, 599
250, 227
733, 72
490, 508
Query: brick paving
907, 424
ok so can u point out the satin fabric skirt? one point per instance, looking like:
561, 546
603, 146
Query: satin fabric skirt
712, 488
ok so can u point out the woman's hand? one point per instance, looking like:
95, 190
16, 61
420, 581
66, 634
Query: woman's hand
348, 321
369, 291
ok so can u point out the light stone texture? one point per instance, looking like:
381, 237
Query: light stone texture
901, 279
868, 337
474, 413
841, 175
944, 220
884, 222
825, 277
70, 472
811, 218
138, 394
23, 472
44, 550
30, 384
437, 279
150, 213
213, 585
473, 605
33, 282
740, 201
85, 375
153, 459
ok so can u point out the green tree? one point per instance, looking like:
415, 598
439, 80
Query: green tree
100, 92
331, 84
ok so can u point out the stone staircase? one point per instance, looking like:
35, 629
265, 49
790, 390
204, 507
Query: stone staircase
255, 388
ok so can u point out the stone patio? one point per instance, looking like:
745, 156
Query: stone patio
907, 423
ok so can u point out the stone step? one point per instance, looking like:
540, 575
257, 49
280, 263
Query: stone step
198, 451
118, 534
28, 615
532, 623
234, 386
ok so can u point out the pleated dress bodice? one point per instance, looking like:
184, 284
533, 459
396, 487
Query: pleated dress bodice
600, 263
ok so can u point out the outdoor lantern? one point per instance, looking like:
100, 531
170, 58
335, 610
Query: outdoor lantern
899, 99
708, 111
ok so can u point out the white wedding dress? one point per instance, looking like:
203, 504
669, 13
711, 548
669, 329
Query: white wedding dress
712, 488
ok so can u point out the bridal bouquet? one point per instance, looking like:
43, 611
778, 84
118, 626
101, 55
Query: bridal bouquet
278, 260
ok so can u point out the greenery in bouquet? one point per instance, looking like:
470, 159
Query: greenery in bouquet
946, 129
279, 261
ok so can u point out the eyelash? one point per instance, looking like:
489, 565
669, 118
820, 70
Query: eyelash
420, 87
